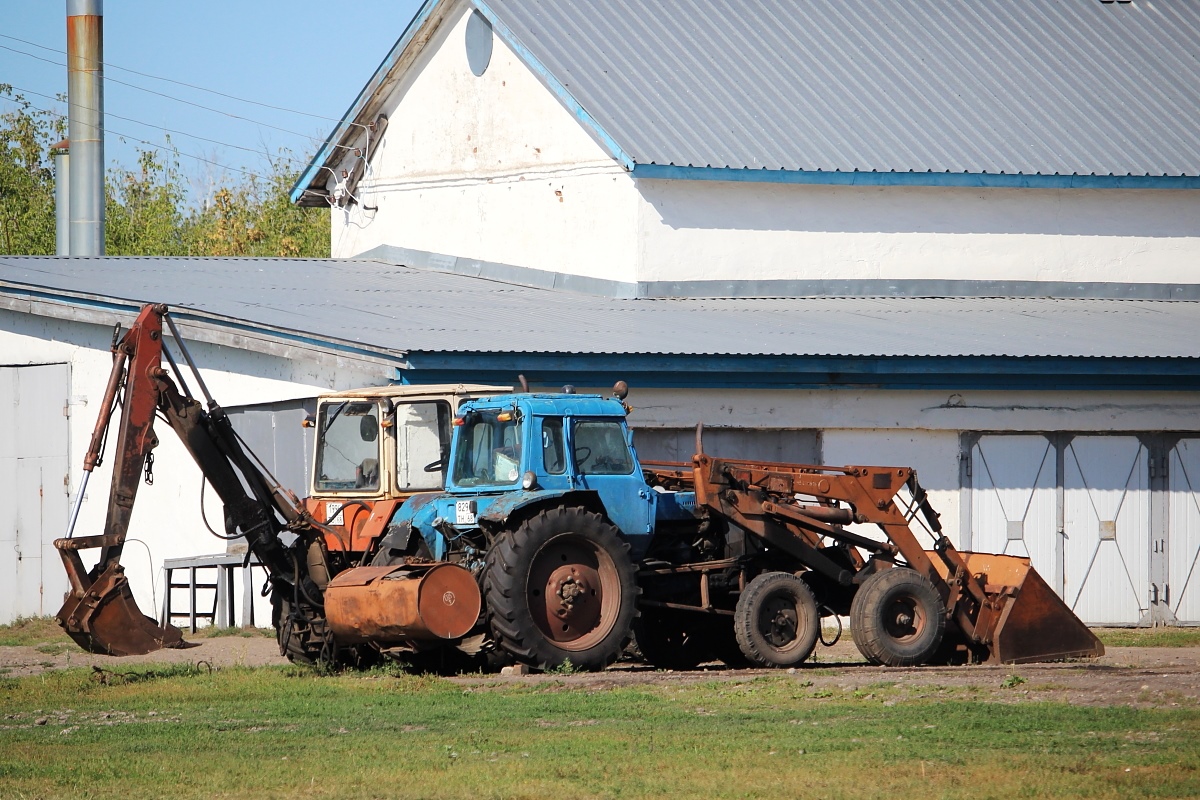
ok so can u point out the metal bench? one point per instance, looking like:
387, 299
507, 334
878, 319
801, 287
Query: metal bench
220, 583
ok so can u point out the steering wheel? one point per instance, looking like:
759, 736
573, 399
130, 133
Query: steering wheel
586, 453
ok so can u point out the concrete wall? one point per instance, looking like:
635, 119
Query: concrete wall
702, 230
166, 520
490, 167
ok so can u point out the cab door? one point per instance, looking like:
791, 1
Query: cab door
604, 463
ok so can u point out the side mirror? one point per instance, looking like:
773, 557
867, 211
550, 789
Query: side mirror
368, 428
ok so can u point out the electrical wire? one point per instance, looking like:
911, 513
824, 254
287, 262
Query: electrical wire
163, 148
176, 99
152, 125
110, 65
153, 573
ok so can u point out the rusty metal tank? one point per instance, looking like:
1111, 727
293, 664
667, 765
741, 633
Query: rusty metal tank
402, 603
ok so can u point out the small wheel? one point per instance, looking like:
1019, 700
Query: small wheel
562, 586
776, 620
897, 618
670, 639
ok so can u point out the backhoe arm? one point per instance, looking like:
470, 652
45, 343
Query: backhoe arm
99, 612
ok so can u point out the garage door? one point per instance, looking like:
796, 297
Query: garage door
275, 433
1182, 590
1014, 501
33, 470
1107, 529
1083, 510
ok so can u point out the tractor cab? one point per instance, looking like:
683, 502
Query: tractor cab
384, 443
514, 453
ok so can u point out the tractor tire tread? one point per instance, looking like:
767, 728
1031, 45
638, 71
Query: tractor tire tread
506, 605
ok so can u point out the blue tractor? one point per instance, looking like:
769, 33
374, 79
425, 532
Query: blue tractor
575, 546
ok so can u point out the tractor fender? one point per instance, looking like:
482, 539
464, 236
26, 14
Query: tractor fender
493, 512
511, 510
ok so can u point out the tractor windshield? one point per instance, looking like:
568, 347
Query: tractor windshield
347, 447
489, 449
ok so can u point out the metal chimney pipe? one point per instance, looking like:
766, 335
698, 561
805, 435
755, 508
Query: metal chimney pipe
62, 197
85, 111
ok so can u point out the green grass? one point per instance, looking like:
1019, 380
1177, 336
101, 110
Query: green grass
281, 732
32, 631
1149, 637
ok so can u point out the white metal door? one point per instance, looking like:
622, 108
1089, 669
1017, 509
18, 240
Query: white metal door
1183, 532
33, 472
1013, 499
1107, 528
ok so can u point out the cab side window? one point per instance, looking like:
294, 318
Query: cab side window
554, 451
600, 448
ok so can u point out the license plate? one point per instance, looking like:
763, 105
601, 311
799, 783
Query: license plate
338, 512
464, 512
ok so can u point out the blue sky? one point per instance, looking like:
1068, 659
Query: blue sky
299, 55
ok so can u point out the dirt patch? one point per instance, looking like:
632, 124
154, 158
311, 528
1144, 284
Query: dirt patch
1132, 676
225, 651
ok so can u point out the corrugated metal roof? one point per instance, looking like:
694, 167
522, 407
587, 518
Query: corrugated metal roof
1022, 86
403, 309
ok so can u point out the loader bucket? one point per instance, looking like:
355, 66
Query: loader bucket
101, 614
1034, 624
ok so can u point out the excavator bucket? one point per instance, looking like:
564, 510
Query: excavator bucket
1033, 623
101, 615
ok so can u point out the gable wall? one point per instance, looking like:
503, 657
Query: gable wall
493, 168
702, 230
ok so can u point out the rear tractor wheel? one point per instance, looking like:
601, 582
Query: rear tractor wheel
898, 618
560, 588
776, 620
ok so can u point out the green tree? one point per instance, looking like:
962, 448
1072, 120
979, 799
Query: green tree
147, 209
26, 176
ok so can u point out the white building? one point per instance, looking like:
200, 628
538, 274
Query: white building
664, 146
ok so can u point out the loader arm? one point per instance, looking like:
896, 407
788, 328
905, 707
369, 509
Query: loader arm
1003, 609
99, 612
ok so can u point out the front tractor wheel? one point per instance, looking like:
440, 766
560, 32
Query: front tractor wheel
561, 587
776, 620
898, 618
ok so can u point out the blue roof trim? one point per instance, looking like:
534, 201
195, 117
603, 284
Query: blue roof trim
966, 179
554, 85
318, 161
813, 372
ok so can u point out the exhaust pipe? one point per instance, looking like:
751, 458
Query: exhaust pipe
85, 115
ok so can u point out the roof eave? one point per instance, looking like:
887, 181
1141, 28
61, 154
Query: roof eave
892, 178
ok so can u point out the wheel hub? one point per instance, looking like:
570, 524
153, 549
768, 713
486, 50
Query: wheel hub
904, 620
779, 622
570, 587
